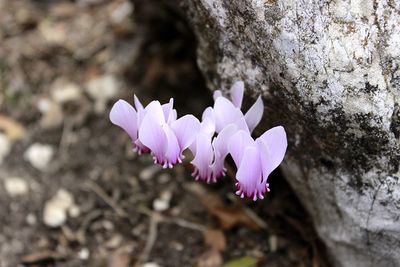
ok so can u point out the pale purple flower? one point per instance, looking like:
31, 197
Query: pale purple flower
226, 119
228, 111
202, 149
256, 159
125, 116
223, 130
156, 129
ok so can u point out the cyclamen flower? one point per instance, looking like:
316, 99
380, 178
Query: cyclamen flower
224, 130
256, 159
156, 129
227, 119
227, 112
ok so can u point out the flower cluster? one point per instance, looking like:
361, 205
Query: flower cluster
223, 130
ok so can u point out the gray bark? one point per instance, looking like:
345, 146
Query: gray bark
329, 72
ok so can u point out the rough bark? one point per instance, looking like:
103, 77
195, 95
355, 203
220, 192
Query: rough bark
329, 72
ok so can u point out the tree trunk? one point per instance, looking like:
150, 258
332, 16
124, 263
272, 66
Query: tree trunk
329, 73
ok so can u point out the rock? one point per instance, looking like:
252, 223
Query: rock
162, 203
5, 147
84, 254
329, 73
52, 114
102, 89
56, 209
65, 91
16, 186
39, 155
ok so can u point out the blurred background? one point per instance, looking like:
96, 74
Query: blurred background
72, 193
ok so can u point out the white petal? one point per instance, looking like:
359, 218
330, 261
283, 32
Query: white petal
254, 114
208, 121
249, 172
124, 115
237, 91
272, 144
173, 152
237, 145
168, 110
186, 128
221, 142
152, 135
225, 113
156, 111
203, 156
138, 104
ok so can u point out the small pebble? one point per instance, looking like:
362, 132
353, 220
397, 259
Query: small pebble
55, 209
102, 89
39, 155
74, 211
162, 203
84, 254
31, 219
122, 12
52, 115
5, 147
16, 186
65, 91
273, 243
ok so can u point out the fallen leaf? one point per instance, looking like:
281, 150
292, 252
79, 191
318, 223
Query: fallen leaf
215, 239
227, 216
13, 129
246, 261
211, 258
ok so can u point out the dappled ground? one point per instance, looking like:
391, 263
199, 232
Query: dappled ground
73, 193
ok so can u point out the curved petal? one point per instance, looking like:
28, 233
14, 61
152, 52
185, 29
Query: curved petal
156, 111
220, 147
221, 142
225, 113
208, 121
152, 135
254, 114
237, 145
237, 91
203, 158
173, 153
124, 115
168, 110
138, 104
249, 174
273, 145
186, 128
